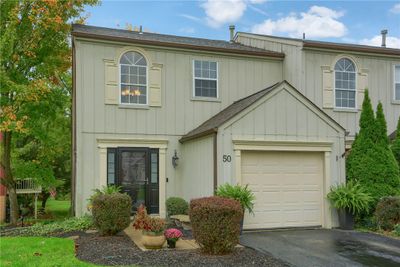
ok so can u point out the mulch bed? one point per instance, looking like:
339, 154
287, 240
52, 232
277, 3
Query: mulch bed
120, 250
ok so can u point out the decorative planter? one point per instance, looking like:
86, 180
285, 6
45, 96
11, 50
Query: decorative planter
171, 243
346, 219
151, 240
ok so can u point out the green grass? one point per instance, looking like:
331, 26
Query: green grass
38, 251
58, 208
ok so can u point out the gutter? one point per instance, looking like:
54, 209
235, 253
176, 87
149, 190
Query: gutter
215, 159
179, 45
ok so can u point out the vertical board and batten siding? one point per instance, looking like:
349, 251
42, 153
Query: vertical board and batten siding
282, 117
304, 70
197, 179
239, 76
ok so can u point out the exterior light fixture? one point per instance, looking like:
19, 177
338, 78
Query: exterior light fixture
175, 159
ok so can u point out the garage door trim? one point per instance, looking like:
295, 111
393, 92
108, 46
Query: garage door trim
284, 145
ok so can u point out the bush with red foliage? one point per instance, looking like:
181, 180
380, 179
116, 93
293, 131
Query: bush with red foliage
216, 223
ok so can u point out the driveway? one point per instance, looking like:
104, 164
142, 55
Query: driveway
326, 247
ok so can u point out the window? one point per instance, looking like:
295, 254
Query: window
133, 69
345, 84
205, 78
397, 82
111, 166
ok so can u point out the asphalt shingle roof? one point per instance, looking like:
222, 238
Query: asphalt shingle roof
212, 124
168, 40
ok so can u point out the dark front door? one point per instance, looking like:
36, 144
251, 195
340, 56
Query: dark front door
137, 174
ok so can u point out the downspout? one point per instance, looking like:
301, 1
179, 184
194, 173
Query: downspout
215, 157
73, 134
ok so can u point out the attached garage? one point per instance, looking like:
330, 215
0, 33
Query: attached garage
287, 150
288, 187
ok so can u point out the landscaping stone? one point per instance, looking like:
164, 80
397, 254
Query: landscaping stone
73, 237
91, 231
120, 250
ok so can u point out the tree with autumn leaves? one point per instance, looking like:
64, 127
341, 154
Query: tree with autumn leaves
35, 58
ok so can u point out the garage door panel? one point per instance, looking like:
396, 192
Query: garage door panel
287, 186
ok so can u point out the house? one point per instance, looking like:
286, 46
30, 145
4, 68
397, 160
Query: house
162, 115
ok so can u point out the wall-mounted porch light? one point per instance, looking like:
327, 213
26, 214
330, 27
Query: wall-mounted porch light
175, 159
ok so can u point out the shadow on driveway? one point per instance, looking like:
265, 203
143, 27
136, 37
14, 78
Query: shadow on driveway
326, 247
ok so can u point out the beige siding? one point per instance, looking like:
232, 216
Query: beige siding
239, 76
197, 179
303, 69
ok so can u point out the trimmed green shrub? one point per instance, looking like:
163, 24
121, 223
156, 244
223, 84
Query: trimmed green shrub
216, 223
387, 213
370, 162
111, 212
396, 230
176, 206
396, 144
240, 193
351, 197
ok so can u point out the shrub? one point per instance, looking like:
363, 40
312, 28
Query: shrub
148, 223
387, 213
176, 205
216, 223
240, 193
396, 230
351, 197
111, 212
396, 144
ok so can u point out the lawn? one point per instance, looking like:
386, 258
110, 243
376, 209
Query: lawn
58, 208
38, 251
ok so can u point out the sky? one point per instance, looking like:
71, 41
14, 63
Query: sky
358, 22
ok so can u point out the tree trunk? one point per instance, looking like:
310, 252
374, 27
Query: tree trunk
8, 179
45, 197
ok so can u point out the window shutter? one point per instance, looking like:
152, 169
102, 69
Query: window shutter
327, 87
155, 85
362, 84
111, 95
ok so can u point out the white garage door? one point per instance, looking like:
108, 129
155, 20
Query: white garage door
287, 186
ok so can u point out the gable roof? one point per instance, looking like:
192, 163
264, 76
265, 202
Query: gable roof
147, 38
211, 125
312, 44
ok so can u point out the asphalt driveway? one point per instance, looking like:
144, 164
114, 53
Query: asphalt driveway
326, 247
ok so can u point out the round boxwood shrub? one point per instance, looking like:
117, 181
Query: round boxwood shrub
111, 212
176, 206
216, 223
387, 213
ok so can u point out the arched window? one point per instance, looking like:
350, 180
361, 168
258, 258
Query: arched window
345, 84
133, 83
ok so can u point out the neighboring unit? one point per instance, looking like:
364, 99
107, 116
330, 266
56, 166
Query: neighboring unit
163, 115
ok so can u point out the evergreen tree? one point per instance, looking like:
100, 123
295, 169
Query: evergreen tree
381, 128
370, 162
396, 144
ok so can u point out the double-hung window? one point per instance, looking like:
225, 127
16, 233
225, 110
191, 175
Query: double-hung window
205, 78
133, 83
397, 82
345, 84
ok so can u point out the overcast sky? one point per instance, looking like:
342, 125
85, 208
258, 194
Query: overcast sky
339, 21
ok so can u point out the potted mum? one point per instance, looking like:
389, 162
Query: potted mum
172, 235
152, 228
349, 199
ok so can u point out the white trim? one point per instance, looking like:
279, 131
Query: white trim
355, 84
204, 98
396, 101
139, 51
306, 146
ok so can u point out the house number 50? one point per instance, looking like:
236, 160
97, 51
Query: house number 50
226, 158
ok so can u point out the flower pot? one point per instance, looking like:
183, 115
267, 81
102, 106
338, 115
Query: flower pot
151, 240
346, 219
171, 243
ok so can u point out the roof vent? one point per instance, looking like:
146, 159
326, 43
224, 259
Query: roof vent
384, 32
232, 32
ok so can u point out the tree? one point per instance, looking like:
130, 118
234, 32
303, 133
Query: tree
370, 161
396, 143
34, 52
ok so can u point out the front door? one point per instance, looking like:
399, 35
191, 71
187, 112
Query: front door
137, 174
